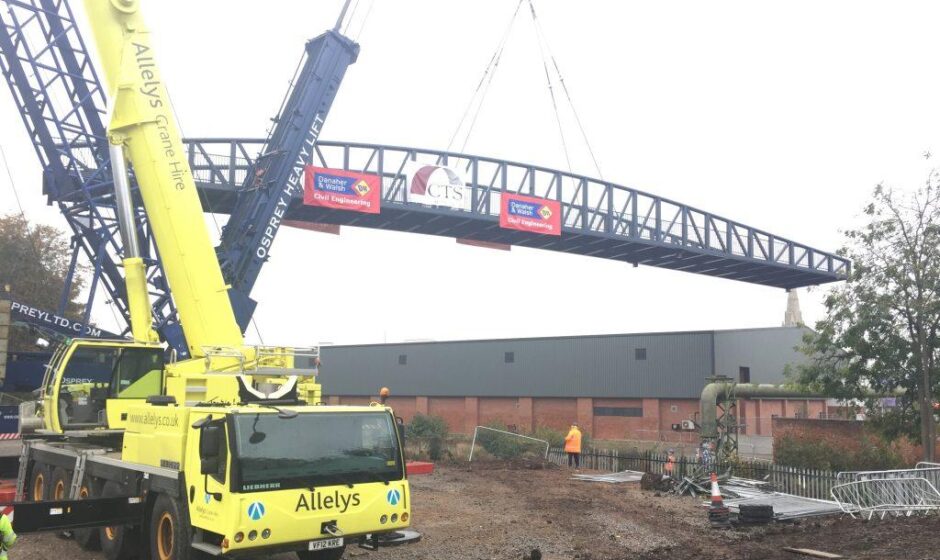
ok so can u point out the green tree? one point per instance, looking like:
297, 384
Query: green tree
880, 334
34, 261
429, 433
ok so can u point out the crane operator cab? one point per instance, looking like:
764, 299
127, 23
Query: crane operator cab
84, 376
259, 488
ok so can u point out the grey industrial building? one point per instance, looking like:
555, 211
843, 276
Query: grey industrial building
622, 386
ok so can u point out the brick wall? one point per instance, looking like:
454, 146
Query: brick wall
451, 409
673, 412
818, 429
498, 409
557, 414
525, 414
620, 427
847, 434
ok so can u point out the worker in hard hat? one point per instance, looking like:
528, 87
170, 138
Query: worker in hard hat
573, 446
7, 536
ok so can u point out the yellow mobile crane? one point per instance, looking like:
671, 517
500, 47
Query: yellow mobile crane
229, 452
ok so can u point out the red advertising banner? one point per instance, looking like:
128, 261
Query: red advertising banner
343, 190
528, 213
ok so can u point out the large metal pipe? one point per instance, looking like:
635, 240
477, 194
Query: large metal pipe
712, 392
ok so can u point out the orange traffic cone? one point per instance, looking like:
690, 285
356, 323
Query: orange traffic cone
718, 514
717, 502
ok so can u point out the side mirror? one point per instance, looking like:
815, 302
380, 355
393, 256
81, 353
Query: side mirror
210, 441
400, 424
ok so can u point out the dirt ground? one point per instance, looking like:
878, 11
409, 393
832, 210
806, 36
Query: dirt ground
495, 512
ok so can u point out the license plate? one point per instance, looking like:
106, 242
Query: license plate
325, 543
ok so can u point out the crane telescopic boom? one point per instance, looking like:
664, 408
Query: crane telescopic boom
143, 122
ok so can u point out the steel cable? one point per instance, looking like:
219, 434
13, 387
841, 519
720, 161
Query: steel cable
551, 93
543, 39
485, 80
365, 19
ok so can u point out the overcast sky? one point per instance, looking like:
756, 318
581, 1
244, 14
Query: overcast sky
782, 115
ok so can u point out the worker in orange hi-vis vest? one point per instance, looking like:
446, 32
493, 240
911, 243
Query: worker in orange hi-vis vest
670, 462
573, 446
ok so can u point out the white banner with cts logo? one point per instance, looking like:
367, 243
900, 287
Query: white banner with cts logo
437, 185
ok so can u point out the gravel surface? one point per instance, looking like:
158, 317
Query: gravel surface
496, 512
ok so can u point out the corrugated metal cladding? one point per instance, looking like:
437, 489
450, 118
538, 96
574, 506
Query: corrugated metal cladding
765, 351
676, 365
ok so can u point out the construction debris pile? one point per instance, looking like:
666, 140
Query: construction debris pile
655, 481
754, 501
736, 500
785, 507
864, 494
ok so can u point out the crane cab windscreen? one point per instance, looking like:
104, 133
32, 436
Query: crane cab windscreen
314, 449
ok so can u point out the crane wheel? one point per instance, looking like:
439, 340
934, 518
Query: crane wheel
120, 542
170, 534
88, 539
39, 482
328, 554
61, 483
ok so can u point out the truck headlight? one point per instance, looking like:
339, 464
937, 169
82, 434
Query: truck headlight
394, 517
239, 537
383, 519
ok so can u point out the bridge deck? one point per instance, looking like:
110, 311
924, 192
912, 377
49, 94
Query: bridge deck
599, 219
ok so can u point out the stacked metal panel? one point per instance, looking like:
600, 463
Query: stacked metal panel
612, 478
786, 506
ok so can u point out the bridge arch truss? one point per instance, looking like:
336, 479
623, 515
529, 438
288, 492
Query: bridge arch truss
599, 218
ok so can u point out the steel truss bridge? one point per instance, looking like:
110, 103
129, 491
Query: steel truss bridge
599, 218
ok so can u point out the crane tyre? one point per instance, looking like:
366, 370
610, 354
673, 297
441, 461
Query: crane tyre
170, 531
120, 542
59, 484
39, 482
88, 539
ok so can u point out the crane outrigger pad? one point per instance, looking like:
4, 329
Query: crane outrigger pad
34, 517
395, 538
